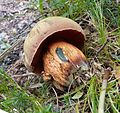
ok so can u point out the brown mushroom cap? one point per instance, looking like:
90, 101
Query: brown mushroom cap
47, 31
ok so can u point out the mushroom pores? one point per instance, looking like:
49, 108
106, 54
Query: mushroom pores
60, 59
57, 35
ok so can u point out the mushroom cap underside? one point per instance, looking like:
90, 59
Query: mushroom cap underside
46, 31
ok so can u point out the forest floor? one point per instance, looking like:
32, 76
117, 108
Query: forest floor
17, 17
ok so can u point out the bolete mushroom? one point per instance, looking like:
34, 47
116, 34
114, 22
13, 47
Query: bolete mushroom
53, 46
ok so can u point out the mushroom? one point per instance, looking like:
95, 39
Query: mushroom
54, 46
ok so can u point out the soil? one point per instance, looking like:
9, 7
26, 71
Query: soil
16, 17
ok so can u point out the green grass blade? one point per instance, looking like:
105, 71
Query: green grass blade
41, 5
14, 98
92, 94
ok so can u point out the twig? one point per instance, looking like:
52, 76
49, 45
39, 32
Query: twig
56, 97
103, 91
24, 75
102, 48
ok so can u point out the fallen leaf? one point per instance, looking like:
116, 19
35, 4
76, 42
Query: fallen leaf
77, 95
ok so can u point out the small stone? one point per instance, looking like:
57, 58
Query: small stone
2, 35
22, 24
14, 31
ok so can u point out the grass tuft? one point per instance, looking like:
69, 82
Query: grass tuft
14, 98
